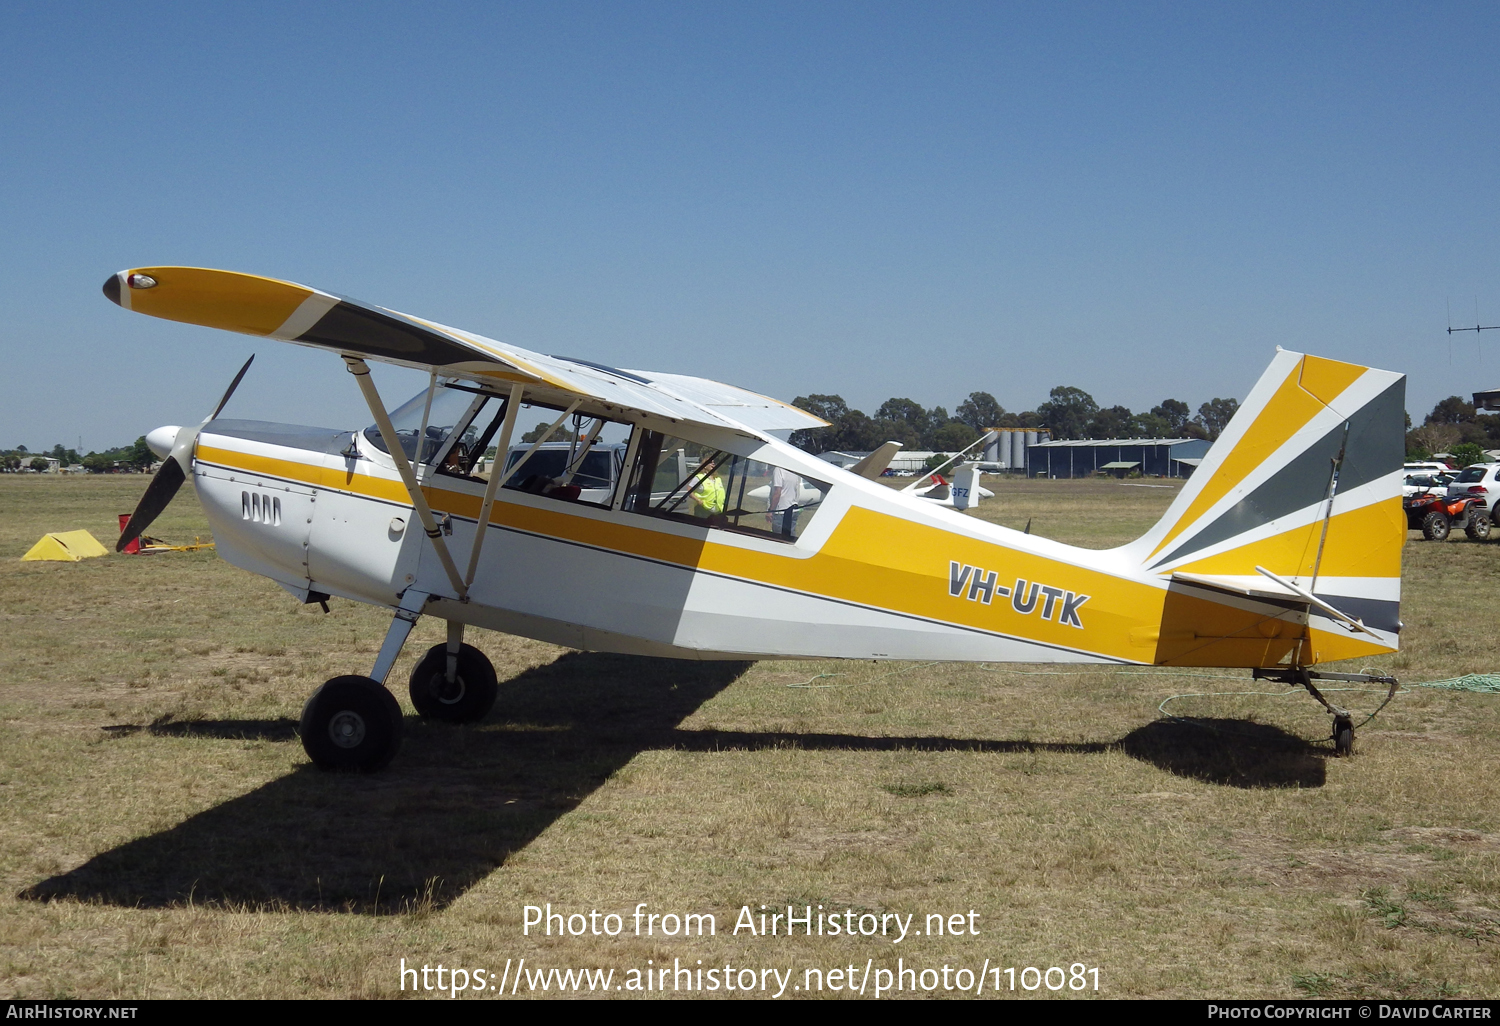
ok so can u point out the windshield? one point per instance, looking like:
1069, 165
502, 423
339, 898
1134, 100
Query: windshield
450, 411
1472, 474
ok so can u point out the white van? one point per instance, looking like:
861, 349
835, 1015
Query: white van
595, 475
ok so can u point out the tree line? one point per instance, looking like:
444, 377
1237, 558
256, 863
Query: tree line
1068, 413
1454, 427
137, 456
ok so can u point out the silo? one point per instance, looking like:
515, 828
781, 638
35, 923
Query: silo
992, 453
1031, 439
1018, 450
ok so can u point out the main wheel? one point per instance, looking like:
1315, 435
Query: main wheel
466, 698
1435, 526
351, 723
1479, 525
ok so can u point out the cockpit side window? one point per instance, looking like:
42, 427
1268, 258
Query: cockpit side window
580, 462
687, 481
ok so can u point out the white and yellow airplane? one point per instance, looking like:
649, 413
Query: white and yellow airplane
713, 538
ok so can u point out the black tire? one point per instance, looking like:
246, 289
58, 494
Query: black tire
1343, 741
1479, 525
467, 699
1435, 526
352, 724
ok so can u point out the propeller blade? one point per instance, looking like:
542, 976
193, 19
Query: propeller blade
174, 470
232, 386
158, 493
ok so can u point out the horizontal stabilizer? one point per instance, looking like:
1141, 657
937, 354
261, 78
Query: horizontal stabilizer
1264, 589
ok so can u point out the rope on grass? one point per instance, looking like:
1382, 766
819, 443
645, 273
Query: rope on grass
894, 673
1484, 683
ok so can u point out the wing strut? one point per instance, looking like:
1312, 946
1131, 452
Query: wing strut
1351, 622
497, 473
361, 372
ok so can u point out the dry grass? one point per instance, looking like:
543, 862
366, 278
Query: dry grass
161, 833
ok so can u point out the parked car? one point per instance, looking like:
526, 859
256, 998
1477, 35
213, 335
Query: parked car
1479, 481
1426, 481
594, 478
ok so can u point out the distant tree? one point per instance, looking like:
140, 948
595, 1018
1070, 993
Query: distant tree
141, 457
1452, 410
980, 411
1213, 416
1067, 411
1151, 425
1114, 422
1431, 438
95, 463
38, 464
1465, 453
562, 434
831, 408
905, 411
904, 421
953, 437
20, 448
857, 433
1175, 413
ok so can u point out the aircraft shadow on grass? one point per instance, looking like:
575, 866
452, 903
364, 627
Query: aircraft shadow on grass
461, 800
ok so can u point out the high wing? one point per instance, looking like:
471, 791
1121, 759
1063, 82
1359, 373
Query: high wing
289, 312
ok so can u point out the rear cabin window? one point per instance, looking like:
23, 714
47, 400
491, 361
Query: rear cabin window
692, 483
1471, 474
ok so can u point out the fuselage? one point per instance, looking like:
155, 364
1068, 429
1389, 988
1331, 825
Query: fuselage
875, 574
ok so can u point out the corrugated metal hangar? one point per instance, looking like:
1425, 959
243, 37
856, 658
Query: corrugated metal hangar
1152, 457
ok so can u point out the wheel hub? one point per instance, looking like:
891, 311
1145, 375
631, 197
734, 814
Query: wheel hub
449, 692
347, 729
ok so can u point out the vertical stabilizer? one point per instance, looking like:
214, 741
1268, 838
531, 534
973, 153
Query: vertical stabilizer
1305, 482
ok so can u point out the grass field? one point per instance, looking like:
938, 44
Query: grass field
163, 835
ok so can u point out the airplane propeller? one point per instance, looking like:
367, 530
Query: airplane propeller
174, 470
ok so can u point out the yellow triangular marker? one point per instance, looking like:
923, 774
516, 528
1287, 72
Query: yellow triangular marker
66, 546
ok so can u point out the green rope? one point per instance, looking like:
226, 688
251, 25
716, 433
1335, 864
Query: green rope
1485, 683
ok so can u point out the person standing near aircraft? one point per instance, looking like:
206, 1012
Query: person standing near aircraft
708, 497
783, 497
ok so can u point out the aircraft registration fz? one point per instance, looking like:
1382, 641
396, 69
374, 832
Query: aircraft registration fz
721, 540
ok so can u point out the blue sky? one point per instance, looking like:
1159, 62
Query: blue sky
871, 199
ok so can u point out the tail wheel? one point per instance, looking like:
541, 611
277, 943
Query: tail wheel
1435, 526
1479, 525
1343, 735
351, 723
466, 698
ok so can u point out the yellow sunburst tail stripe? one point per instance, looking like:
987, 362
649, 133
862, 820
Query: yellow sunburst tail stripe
1364, 542
246, 303
1304, 393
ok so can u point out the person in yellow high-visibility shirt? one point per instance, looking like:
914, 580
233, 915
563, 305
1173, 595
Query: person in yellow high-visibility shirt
708, 497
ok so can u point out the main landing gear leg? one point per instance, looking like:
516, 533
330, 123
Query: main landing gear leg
353, 722
454, 682
1343, 719
455, 642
